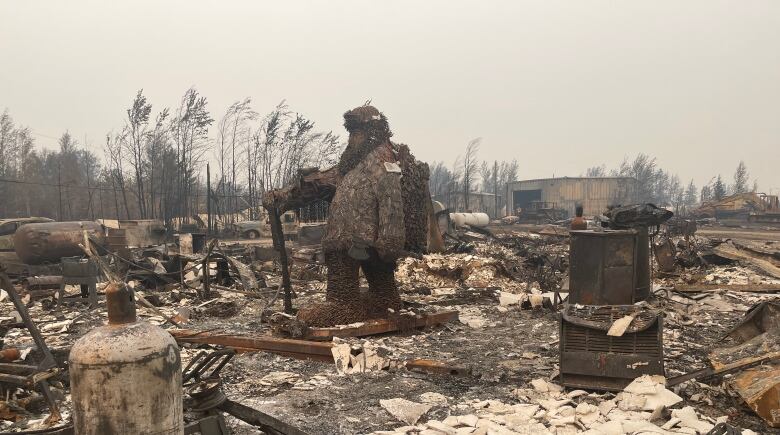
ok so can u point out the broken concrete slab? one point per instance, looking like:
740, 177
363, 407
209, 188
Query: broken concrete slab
653, 391
405, 410
688, 418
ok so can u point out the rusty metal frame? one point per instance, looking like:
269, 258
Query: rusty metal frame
300, 349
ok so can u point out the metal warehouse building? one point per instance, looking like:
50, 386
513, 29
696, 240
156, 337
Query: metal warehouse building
594, 193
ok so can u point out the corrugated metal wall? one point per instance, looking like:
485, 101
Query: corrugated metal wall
595, 194
478, 202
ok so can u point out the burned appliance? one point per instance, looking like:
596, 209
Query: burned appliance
592, 359
609, 275
82, 272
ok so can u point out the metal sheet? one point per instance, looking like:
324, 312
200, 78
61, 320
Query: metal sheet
595, 194
602, 270
760, 388
760, 318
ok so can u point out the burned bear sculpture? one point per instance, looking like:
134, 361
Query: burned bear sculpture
378, 213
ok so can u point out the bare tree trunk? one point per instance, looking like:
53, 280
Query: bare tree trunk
116, 197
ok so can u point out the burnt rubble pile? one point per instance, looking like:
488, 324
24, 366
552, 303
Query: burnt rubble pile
481, 345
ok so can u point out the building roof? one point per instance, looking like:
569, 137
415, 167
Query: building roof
26, 219
460, 192
572, 178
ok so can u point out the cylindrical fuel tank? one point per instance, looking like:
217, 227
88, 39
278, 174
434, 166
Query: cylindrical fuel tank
471, 219
125, 377
50, 241
609, 267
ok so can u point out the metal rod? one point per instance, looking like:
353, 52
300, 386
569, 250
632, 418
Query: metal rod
254, 417
48, 359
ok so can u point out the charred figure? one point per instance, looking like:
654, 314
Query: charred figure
367, 226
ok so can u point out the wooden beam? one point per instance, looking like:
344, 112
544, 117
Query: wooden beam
382, 326
300, 349
733, 253
701, 288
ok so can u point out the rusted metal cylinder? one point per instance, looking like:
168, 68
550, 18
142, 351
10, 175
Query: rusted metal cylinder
49, 242
120, 304
9, 354
125, 377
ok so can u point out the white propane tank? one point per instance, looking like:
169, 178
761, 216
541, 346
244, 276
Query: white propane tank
479, 220
125, 377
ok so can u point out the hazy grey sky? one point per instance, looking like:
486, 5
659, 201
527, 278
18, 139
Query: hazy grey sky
558, 85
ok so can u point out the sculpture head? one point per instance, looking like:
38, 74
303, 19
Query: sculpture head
367, 129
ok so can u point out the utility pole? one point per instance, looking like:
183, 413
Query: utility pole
59, 187
495, 187
208, 199
100, 197
116, 198
89, 191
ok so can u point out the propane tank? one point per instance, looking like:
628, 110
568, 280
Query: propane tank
479, 220
50, 241
125, 377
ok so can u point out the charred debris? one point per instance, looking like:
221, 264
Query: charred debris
510, 329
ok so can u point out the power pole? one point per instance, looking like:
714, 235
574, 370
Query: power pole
100, 197
89, 191
208, 199
495, 187
59, 187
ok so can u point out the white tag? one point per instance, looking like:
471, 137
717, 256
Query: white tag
392, 167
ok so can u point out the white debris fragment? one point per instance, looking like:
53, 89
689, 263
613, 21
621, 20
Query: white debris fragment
405, 410
607, 406
587, 413
341, 353
468, 420
473, 321
373, 361
620, 325
23, 354
279, 378
543, 386
57, 326
540, 385
433, 398
536, 300
650, 388
506, 299
688, 418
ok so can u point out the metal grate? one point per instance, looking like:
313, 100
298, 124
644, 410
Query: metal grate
581, 339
